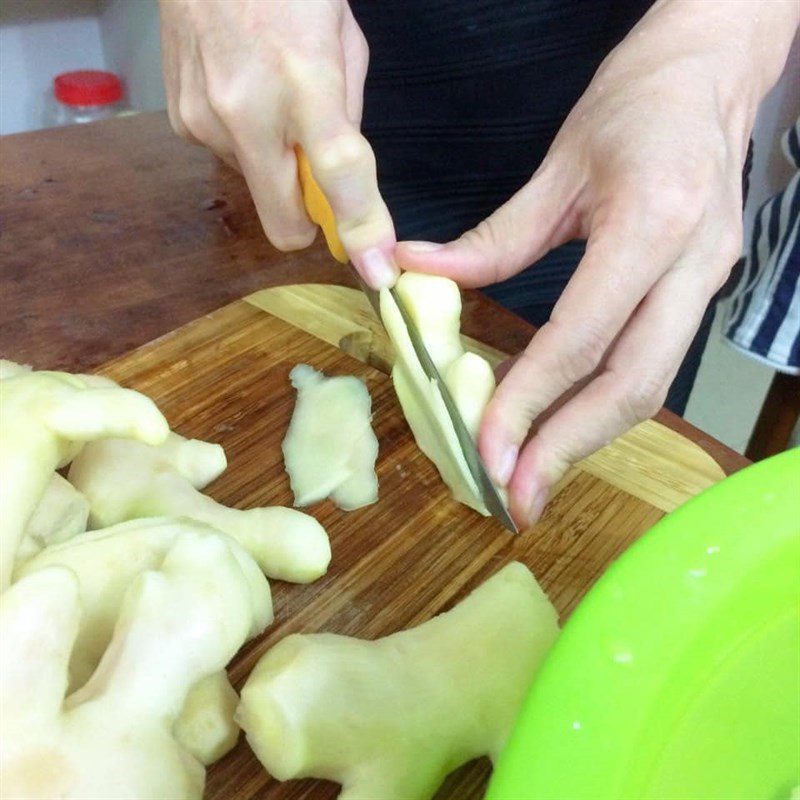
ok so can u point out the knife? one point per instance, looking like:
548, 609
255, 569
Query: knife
320, 212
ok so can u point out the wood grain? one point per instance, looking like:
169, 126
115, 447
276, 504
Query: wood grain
395, 564
114, 233
651, 461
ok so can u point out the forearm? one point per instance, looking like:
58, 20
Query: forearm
740, 45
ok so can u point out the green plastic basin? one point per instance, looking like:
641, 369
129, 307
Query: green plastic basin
678, 675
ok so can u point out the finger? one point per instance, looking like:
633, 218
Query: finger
343, 164
356, 61
187, 107
504, 367
630, 389
198, 119
232, 162
539, 217
271, 174
173, 92
618, 269
171, 72
245, 140
200, 125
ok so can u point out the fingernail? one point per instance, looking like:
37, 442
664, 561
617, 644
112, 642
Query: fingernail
423, 247
377, 268
505, 468
537, 504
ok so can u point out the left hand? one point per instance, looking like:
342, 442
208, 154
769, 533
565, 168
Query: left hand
648, 168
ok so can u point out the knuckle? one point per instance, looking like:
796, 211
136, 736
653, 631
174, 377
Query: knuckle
727, 250
561, 459
176, 123
227, 103
193, 118
363, 46
489, 238
342, 156
586, 347
674, 205
359, 42
484, 236
287, 242
717, 280
513, 407
642, 398
558, 454
729, 246
295, 60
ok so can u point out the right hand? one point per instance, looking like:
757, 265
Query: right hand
252, 79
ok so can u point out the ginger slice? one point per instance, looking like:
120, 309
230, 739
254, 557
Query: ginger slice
330, 447
434, 304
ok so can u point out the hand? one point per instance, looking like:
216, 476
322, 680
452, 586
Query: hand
648, 168
252, 79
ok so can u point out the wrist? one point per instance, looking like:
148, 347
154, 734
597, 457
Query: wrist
749, 39
730, 51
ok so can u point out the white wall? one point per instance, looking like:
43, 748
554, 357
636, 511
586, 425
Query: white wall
41, 38
38, 40
132, 49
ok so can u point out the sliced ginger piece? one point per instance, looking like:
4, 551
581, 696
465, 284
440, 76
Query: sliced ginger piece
391, 718
434, 304
330, 447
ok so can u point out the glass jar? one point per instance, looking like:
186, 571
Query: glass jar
86, 95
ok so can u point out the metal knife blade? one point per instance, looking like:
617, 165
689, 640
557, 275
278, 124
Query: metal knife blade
487, 489
319, 210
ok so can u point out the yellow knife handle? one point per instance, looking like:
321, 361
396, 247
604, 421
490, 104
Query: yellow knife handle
318, 207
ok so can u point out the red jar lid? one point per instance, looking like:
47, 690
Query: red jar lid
87, 87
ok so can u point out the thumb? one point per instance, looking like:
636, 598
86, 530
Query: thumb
537, 218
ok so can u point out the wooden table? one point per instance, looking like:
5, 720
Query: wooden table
115, 233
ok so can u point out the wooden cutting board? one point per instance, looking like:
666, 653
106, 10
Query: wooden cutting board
224, 378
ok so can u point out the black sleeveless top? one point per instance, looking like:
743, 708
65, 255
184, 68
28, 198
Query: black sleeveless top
463, 97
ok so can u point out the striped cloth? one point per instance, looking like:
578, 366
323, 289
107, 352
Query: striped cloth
763, 314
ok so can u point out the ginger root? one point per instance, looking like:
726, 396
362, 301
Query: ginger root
125, 480
44, 415
114, 737
206, 726
391, 718
108, 561
10, 369
62, 513
434, 304
330, 447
